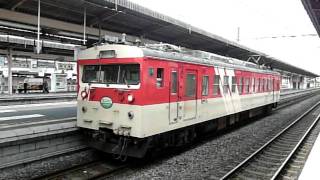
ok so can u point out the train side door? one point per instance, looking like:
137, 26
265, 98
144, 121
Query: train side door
174, 96
190, 94
203, 106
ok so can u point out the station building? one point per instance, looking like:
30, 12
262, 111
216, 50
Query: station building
60, 76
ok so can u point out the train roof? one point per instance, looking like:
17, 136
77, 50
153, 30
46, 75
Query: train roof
173, 53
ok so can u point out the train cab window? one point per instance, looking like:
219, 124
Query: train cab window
205, 85
234, 84
216, 83
174, 82
190, 90
128, 74
91, 74
240, 86
225, 84
160, 73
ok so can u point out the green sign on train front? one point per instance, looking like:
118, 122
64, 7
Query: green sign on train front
106, 102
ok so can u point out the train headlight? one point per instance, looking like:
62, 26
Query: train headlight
106, 102
130, 98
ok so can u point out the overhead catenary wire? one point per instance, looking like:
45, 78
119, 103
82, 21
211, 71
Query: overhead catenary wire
286, 36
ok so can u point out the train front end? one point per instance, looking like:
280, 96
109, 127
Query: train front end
109, 94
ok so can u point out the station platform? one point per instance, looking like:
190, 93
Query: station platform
294, 91
6, 99
312, 165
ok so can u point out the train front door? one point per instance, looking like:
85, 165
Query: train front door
189, 94
174, 96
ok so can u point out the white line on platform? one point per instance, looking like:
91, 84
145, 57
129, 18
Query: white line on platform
38, 105
20, 117
7, 111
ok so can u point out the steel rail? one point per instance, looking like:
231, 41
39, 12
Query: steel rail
84, 170
240, 165
295, 148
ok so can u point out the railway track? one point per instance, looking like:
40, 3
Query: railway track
269, 161
295, 98
89, 171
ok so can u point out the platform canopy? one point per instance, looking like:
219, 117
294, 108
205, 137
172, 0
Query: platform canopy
313, 9
114, 17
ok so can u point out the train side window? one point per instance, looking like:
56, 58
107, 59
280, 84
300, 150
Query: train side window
190, 85
252, 85
240, 85
216, 83
249, 84
256, 85
225, 84
205, 85
269, 86
174, 82
234, 84
246, 85
160, 77
261, 85
151, 72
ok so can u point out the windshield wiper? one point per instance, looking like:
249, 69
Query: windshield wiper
125, 81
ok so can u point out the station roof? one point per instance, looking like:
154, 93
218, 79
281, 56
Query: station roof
122, 16
313, 9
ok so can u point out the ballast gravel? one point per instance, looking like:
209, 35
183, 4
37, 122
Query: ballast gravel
215, 157
42, 167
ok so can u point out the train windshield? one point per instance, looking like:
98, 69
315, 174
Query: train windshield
128, 74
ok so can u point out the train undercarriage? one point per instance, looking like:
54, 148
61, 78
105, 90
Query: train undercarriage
122, 147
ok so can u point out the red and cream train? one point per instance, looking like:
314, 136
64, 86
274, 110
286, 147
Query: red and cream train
132, 99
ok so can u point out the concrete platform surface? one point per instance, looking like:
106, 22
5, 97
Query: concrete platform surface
26, 113
34, 98
295, 91
36, 95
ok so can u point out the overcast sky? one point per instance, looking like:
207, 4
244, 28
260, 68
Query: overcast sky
259, 21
